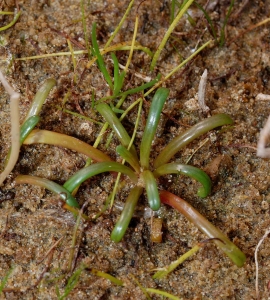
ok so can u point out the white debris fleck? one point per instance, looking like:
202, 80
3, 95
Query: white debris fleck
263, 97
86, 127
262, 151
201, 92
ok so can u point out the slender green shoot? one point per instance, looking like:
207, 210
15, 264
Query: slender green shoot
193, 172
118, 77
132, 44
74, 62
6, 13
133, 158
220, 239
76, 212
163, 272
11, 23
85, 30
126, 215
73, 242
100, 60
172, 11
143, 289
49, 185
117, 47
72, 282
207, 17
107, 276
192, 22
177, 68
168, 33
79, 116
162, 293
120, 24
115, 189
131, 91
222, 33
151, 125
5, 279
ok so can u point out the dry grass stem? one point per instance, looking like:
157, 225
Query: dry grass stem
256, 262
50, 250
15, 128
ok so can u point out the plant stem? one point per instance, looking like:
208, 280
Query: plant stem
168, 33
163, 272
120, 24
12, 22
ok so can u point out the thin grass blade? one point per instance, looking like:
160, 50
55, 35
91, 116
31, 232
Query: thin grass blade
100, 60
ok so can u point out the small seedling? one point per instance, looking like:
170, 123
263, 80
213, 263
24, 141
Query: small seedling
142, 174
219, 38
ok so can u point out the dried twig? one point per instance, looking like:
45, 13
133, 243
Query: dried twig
201, 92
15, 128
50, 250
262, 151
256, 262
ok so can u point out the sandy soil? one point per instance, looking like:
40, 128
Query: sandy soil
32, 219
